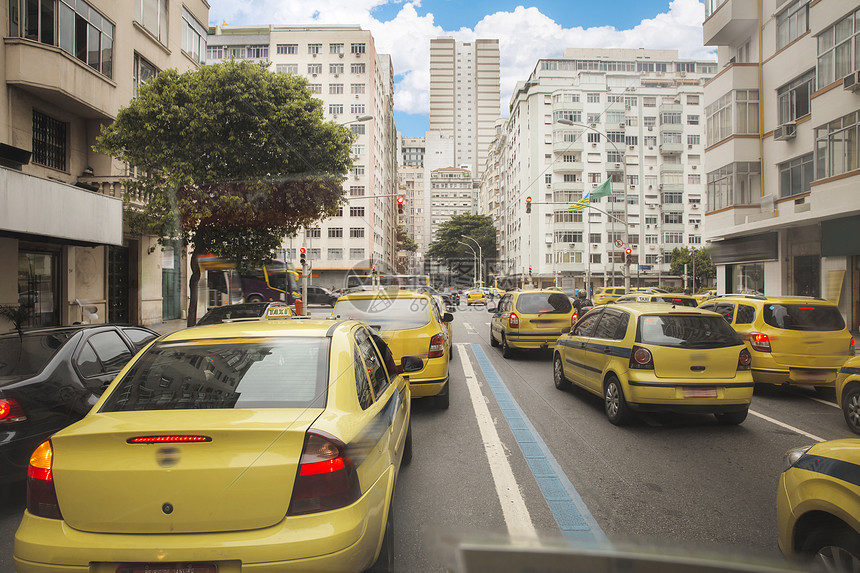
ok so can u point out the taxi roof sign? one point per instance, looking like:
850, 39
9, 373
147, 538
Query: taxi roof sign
278, 312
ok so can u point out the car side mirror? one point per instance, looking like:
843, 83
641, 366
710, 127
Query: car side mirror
447, 317
492, 308
451, 308
411, 364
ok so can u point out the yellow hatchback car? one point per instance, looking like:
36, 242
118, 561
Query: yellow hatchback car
794, 340
656, 358
529, 320
268, 445
410, 325
476, 296
818, 505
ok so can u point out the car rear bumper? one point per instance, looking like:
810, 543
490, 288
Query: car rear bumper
653, 395
796, 376
532, 341
422, 388
345, 539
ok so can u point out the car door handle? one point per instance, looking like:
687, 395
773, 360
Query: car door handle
607, 350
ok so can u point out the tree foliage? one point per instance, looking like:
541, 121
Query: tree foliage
705, 268
404, 241
230, 159
450, 246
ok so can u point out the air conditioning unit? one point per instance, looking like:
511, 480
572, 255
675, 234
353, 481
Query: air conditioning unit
650, 128
632, 147
314, 54
650, 147
696, 226
337, 75
694, 166
313, 75
595, 246
689, 146
617, 165
593, 125
785, 132
851, 82
650, 187
594, 184
340, 55
357, 96
622, 125
694, 206
593, 145
660, 186
652, 247
647, 226
549, 185
683, 74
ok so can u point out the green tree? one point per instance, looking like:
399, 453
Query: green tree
705, 268
479, 227
231, 159
404, 241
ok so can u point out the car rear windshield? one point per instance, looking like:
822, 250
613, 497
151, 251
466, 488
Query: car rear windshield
686, 331
804, 316
28, 354
386, 313
206, 374
677, 300
544, 303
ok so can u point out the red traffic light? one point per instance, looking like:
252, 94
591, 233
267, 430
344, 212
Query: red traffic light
528, 199
302, 250
400, 199
628, 250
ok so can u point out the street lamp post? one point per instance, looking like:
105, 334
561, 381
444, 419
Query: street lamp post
480, 256
474, 259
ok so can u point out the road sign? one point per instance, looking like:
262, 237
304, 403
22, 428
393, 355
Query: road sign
644, 267
619, 243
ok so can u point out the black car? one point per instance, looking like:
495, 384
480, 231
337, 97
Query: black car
219, 314
321, 295
51, 377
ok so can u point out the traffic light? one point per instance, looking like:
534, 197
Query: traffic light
528, 204
530, 271
303, 258
629, 252
400, 200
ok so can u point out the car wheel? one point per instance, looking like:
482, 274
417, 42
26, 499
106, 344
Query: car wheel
254, 298
407, 446
732, 418
832, 549
851, 408
507, 351
440, 401
614, 403
558, 377
385, 562
493, 341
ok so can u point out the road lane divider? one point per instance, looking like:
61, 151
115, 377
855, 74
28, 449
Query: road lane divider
514, 510
786, 426
569, 510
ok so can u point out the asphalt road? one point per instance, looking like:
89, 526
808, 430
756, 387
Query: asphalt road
547, 465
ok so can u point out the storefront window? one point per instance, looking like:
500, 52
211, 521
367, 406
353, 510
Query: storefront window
745, 278
37, 288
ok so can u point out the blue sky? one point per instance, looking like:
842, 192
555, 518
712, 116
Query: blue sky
526, 33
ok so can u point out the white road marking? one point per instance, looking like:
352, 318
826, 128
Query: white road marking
469, 328
825, 402
514, 509
787, 427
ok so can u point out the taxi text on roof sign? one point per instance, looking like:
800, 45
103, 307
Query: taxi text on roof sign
278, 312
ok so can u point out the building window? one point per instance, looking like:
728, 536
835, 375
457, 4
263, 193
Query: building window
335, 254
214, 53
838, 50
793, 99
143, 72
356, 254
592, 98
721, 123
287, 49
357, 109
734, 184
335, 108
335, 68
356, 88
358, 170
595, 258
356, 190
694, 179
651, 239
357, 149
791, 23
357, 128
314, 69
672, 197
593, 137
631, 140
836, 146
315, 48
257, 52
315, 88
694, 139
673, 218
193, 37
335, 89
649, 121
356, 211
335, 233
49, 141
287, 69
314, 233
568, 236
152, 15
672, 238
357, 48
335, 48
356, 232
692, 120
649, 101
357, 68
692, 100
671, 117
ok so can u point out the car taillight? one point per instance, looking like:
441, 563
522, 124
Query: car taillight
11, 411
326, 478
641, 359
759, 341
851, 344
573, 318
41, 495
744, 360
514, 320
437, 346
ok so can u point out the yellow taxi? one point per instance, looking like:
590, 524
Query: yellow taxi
848, 392
656, 358
706, 295
666, 298
529, 320
439, 309
794, 340
409, 324
270, 445
476, 296
818, 505
608, 294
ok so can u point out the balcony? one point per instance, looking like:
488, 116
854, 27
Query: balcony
566, 166
568, 146
731, 21
52, 75
671, 128
671, 108
671, 148
671, 168
37, 206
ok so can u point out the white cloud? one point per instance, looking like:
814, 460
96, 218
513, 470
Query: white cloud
525, 35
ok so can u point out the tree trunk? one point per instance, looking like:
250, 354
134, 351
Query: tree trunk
192, 287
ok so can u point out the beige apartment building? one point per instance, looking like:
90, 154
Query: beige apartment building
356, 85
69, 67
783, 113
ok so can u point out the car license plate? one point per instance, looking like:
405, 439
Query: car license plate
808, 375
168, 568
707, 392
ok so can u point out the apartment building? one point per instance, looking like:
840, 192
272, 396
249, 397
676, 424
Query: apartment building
464, 96
782, 160
69, 67
356, 85
411, 186
634, 117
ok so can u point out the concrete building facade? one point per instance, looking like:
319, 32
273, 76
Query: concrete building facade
70, 66
782, 156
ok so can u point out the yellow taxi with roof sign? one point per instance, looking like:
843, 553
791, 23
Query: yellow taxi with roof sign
818, 505
664, 298
529, 320
408, 323
272, 445
476, 296
794, 340
646, 357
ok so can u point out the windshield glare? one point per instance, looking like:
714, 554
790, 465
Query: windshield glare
386, 313
28, 355
692, 331
807, 316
